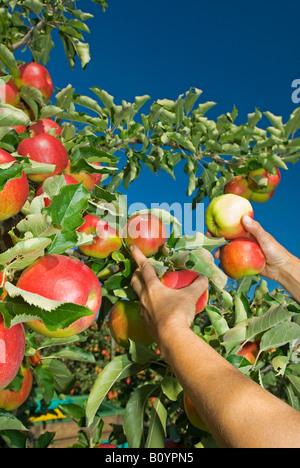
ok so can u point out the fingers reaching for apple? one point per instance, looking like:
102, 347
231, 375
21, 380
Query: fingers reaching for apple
164, 306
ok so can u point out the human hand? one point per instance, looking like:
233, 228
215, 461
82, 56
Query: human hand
276, 255
163, 308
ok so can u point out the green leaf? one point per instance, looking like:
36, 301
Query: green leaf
272, 317
279, 335
10, 116
217, 320
9, 422
134, 415
121, 367
157, 428
24, 253
45, 382
7, 57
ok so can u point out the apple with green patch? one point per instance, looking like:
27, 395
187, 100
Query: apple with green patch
106, 239
125, 322
224, 216
15, 191
65, 279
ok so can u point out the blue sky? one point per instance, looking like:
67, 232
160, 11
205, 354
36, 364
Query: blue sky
239, 53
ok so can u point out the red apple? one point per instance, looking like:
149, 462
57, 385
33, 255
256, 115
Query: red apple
273, 180
15, 192
11, 400
239, 186
224, 216
20, 128
64, 279
68, 179
12, 349
250, 351
106, 445
147, 232
89, 180
37, 76
182, 278
45, 149
9, 93
43, 126
106, 239
125, 322
192, 414
242, 257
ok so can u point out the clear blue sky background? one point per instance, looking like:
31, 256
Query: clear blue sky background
239, 53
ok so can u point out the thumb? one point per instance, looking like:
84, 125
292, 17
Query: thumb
253, 227
198, 287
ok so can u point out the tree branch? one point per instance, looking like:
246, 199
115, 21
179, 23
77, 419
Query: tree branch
27, 36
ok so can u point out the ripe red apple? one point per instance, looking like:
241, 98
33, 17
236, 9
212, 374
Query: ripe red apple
272, 184
68, 179
125, 322
106, 445
192, 414
239, 186
250, 351
106, 239
45, 149
12, 349
15, 192
89, 180
147, 232
11, 400
182, 278
242, 257
65, 279
37, 76
43, 126
20, 129
9, 93
224, 216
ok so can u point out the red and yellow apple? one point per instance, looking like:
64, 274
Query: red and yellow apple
106, 239
239, 186
11, 400
37, 76
125, 322
12, 349
262, 197
224, 215
45, 149
242, 257
147, 232
89, 180
44, 126
68, 179
14, 193
250, 351
9, 93
182, 278
65, 279
192, 414
273, 180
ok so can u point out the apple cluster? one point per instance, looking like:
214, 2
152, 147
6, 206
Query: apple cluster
259, 186
242, 255
50, 276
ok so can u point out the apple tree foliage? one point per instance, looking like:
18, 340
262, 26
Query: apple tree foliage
126, 140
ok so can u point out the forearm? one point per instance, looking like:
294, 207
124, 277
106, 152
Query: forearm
237, 411
289, 277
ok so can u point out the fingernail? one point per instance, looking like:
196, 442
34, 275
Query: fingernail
131, 247
247, 219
